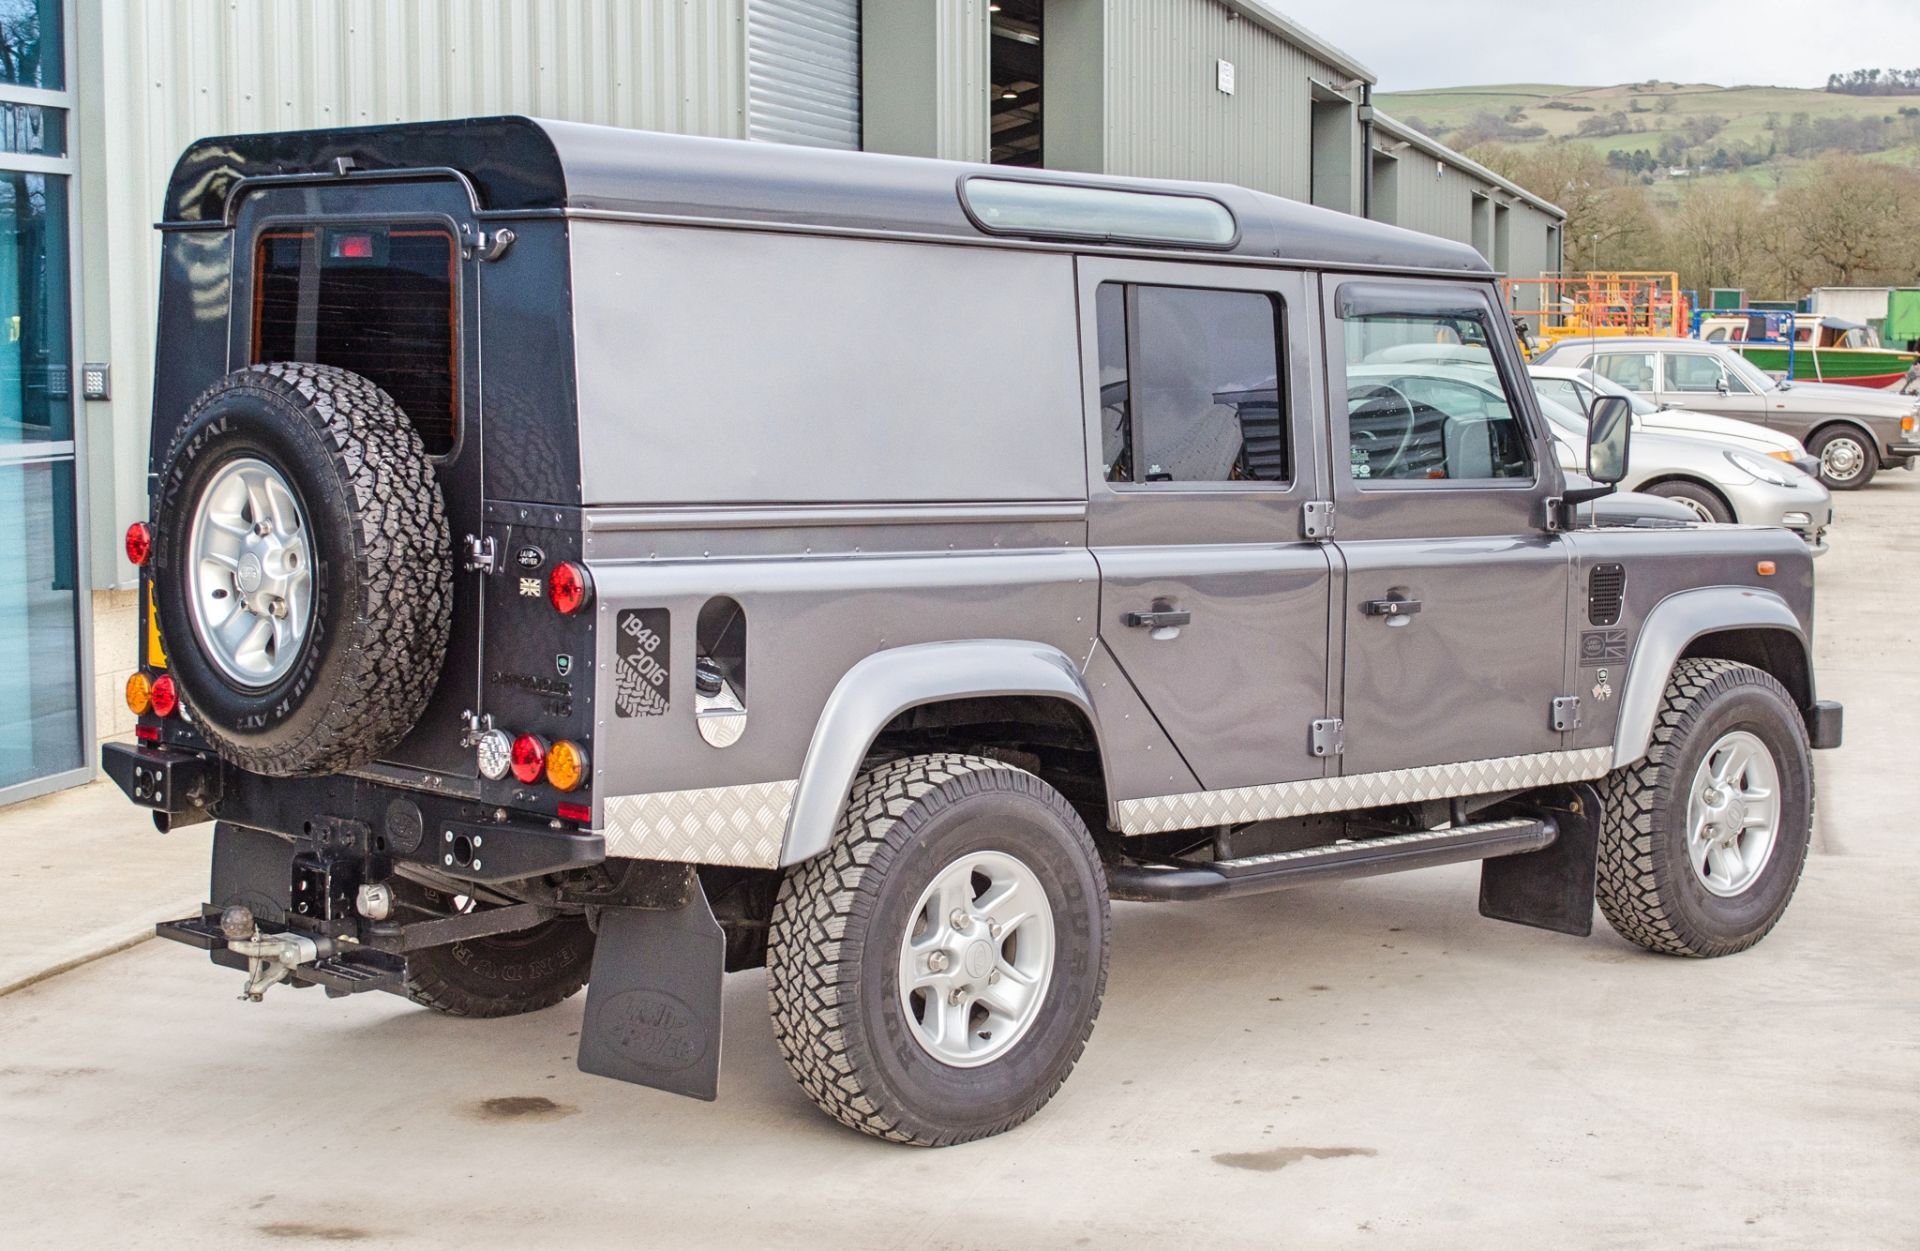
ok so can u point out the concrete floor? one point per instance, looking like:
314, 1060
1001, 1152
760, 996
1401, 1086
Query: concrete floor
1365, 1065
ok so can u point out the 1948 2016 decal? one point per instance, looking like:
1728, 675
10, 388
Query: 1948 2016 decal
641, 682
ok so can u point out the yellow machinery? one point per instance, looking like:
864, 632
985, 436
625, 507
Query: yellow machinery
1602, 304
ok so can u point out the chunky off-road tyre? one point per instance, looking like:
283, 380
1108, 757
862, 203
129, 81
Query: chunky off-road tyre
1683, 869
501, 975
341, 588
928, 841
1702, 502
1847, 456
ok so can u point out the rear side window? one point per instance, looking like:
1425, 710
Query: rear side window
1190, 385
379, 301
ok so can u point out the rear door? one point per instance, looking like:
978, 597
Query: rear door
373, 279
1454, 602
1213, 599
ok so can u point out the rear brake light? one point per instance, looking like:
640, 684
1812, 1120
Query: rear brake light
529, 758
165, 697
569, 587
566, 765
582, 813
352, 248
139, 693
139, 542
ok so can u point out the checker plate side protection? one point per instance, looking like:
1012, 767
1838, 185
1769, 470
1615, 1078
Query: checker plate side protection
737, 825
1365, 790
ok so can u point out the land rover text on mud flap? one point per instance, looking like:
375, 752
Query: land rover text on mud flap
591, 557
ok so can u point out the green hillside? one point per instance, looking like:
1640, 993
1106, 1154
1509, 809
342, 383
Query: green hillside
1761, 135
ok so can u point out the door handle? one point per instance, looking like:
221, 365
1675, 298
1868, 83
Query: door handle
1390, 607
1158, 619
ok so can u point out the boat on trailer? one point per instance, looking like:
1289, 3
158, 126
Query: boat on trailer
1807, 348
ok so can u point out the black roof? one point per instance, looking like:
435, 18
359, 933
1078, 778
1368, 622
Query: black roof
519, 164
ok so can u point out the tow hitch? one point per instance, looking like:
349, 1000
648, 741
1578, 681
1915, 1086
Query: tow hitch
270, 958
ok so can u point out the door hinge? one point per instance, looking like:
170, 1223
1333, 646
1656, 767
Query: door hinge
1566, 712
1327, 737
482, 555
1316, 520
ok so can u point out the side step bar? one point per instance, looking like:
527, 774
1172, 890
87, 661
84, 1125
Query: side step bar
1255, 875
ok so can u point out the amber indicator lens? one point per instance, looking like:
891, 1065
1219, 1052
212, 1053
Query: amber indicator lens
1764, 568
569, 587
165, 698
139, 693
529, 758
139, 542
566, 765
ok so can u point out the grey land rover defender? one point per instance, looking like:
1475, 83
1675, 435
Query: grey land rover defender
590, 557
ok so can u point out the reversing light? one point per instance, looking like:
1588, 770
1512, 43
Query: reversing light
529, 758
494, 753
139, 542
566, 765
139, 693
165, 697
569, 587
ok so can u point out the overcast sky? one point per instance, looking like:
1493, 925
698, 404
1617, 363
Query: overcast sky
1453, 43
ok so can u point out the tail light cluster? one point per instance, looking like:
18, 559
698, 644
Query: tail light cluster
146, 695
531, 759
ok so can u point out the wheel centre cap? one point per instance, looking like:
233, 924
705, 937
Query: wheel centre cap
249, 574
978, 960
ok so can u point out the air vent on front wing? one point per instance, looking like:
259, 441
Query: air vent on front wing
1606, 589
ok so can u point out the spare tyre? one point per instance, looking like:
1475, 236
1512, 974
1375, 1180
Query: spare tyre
302, 570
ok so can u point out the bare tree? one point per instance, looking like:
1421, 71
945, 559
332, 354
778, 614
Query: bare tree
1850, 222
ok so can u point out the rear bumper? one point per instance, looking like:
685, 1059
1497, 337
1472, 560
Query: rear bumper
351, 817
1824, 724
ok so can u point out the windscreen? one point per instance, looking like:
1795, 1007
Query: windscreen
379, 301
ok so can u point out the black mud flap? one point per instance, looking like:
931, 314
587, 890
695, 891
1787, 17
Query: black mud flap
1550, 889
653, 1002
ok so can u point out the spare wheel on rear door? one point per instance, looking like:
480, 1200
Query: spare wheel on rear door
302, 567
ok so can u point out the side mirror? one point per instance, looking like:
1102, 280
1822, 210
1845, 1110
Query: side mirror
1721, 386
1609, 430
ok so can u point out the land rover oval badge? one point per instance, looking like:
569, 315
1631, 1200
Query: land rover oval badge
530, 557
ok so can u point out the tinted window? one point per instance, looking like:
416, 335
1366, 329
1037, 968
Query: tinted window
1419, 421
377, 301
1632, 370
1190, 387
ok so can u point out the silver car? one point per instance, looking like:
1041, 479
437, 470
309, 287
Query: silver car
1733, 477
1852, 430
1578, 388
1715, 480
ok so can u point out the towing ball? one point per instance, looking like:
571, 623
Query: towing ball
237, 923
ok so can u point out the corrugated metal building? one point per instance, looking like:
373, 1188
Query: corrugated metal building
1427, 186
1212, 89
